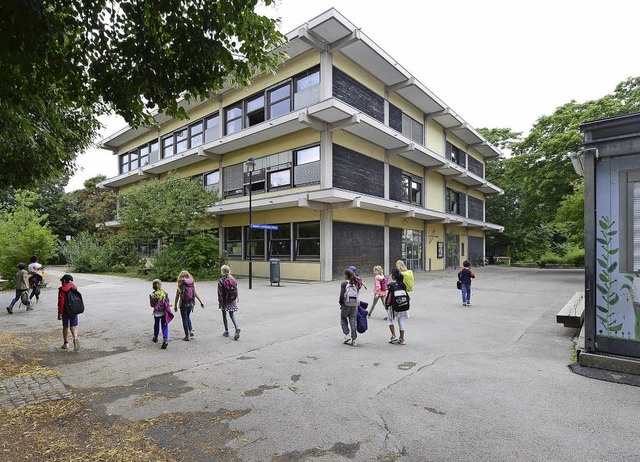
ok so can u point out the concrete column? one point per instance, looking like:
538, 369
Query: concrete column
326, 159
326, 75
326, 245
387, 246
387, 186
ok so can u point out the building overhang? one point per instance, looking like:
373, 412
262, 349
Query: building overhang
126, 178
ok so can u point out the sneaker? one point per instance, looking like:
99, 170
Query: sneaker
9, 310
76, 344
65, 346
29, 307
464, 304
468, 303
401, 341
226, 333
164, 345
393, 339
186, 338
237, 336
354, 343
154, 339
347, 339
191, 334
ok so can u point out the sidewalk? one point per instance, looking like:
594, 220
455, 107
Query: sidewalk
485, 382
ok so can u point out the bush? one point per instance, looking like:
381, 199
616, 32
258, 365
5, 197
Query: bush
88, 253
573, 256
576, 256
198, 253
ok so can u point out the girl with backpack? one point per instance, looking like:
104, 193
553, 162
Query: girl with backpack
379, 287
407, 275
186, 294
228, 300
349, 301
397, 304
162, 314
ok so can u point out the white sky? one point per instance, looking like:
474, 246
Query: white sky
497, 63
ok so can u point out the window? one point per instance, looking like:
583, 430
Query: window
280, 178
257, 243
144, 155
416, 192
456, 154
133, 160
406, 186
255, 110
280, 242
211, 180
167, 146
308, 241
279, 101
233, 117
212, 127
630, 221
195, 135
307, 79
124, 163
307, 155
182, 140
153, 151
233, 241
452, 201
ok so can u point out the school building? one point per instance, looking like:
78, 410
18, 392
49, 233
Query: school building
356, 162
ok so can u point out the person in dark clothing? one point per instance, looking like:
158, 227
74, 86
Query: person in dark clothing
464, 276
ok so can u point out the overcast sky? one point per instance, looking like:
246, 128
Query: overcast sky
497, 63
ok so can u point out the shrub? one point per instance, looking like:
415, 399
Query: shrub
575, 256
88, 253
198, 253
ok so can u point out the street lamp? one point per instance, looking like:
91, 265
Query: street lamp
250, 164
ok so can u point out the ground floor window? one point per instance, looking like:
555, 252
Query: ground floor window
308, 241
256, 242
233, 241
412, 249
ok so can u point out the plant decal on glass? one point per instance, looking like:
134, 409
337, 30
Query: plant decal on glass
608, 265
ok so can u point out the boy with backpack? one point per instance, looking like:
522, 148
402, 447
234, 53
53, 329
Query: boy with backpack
349, 301
70, 304
464, 276
162, 314
397, 303
22, 288
228, 300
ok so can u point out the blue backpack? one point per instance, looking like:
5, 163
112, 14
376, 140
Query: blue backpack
361, 320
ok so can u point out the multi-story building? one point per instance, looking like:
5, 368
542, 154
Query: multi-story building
356, 162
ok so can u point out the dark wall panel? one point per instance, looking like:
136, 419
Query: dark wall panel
395, 247
395, 184
358, 245
357, 95
395, 118
356, 172
476, 208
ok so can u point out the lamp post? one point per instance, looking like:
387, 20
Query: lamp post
250, 164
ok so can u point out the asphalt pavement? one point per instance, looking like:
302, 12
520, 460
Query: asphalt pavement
488, 382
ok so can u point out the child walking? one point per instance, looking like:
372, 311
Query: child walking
464, 276
349, 301
228, 300
379, 287
186, 294
397, 303
162, 314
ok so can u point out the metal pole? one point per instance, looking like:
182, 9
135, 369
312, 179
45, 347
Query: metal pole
250, 223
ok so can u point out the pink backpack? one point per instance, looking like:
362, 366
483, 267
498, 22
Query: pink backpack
188, 290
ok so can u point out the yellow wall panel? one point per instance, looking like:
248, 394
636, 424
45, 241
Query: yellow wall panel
435, 234
435, 137
305, 271
435, 191
365, 217
406, 107
477, 194
275, 216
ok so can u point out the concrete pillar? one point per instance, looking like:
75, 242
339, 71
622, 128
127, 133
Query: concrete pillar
326, 159
326, 75
326, 245
387, 246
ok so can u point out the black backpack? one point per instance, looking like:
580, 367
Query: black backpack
73, 303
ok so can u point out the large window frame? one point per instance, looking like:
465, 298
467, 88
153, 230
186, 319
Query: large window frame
630, 221
280, 242
307, 241
452, 201
233, 242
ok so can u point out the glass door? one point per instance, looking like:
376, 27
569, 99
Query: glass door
453, 251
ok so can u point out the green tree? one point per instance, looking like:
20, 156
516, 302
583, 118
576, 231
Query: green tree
23, 232
63, 63
165, 209
570, 216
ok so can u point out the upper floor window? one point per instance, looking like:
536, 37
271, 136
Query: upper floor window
411, 189
255, 110
307, 155
195, 135
279, 101
452, 199
457, 155
181, 141
167, 146
307, 79
212, 127
211, 180
233, 116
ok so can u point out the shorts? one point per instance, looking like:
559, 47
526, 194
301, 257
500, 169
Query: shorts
69, 320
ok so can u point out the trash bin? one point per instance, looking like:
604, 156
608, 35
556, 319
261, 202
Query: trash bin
274, 271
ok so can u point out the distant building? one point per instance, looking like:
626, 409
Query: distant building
356, 162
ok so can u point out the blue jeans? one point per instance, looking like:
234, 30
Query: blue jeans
18, 294
466, 293
160, 321
185, 312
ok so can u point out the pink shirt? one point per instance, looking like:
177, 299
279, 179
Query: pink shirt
376, 286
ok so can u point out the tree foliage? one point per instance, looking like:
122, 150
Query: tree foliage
157, 209
539, 208
23, 232
65, 62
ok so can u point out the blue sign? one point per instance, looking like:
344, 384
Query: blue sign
271, 227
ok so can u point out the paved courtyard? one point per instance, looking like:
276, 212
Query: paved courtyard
488, 382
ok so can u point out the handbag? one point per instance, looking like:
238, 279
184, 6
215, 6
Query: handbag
459, 285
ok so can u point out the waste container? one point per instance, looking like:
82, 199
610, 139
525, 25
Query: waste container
274, 271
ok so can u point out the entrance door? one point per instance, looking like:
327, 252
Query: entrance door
453, 251
412, 249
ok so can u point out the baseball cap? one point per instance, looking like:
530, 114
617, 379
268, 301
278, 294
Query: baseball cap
353, 268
